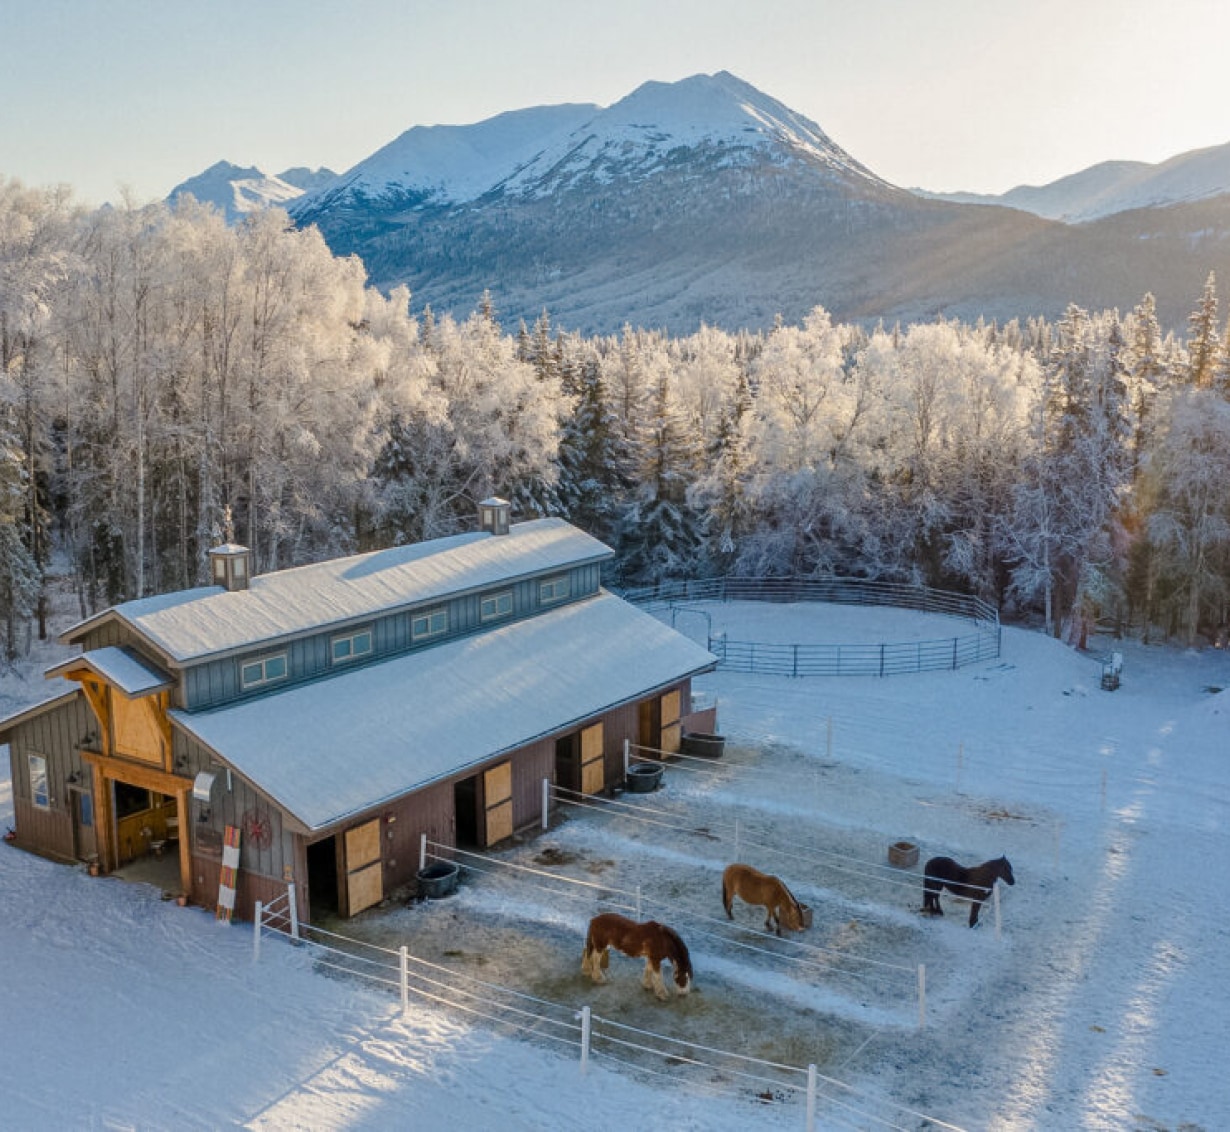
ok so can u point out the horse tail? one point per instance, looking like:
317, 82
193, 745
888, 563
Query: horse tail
727, 895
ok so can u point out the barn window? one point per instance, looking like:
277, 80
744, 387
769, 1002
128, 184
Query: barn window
553, 589
429, 624
352, 646
40, 795
497, 605
267, 670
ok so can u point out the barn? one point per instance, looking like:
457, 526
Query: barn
333, 714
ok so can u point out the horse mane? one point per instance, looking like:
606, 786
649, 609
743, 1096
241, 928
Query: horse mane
681, 950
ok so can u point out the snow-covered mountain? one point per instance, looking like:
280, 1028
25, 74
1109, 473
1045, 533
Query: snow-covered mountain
544, 150
237, 191
1117, 186
706, 200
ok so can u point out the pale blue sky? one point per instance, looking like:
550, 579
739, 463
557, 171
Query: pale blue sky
943, 94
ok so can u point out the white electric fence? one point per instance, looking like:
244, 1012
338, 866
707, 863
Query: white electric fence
703, 1068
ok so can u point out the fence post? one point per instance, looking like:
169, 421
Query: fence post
829, 741
960, 762
881, 660
794, 661
627, 759
546, 800
811, 1098
995, 896
403, 956
922, 996
585, 1031
256, 932
954, 653
422, 850
736, 839
638, 901
293, 906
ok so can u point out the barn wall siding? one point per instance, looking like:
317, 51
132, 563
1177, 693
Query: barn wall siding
57, 735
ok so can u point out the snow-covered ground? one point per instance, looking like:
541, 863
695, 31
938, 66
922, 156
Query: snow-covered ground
1101, 1005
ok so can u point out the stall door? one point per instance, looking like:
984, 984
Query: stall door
364, 879
671, 728
498, 803
593, 760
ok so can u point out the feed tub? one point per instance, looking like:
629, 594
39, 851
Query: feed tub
702, 745
438, 879
643, 778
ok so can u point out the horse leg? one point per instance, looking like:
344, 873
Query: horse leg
652, 979
593, 962
975, 906
931, 901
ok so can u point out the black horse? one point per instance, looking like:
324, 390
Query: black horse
973, 884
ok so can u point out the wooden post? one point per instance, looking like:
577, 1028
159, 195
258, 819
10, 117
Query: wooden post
293, 904
638, 901
422, 850
256, 932
404, 958
585, 1032
546, 801
995, 897
627, 758
922, 995
736, 839
811, 1098
828, 746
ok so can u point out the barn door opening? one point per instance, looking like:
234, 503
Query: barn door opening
465, 813
568, 762
498, 803
323, 867
364, 867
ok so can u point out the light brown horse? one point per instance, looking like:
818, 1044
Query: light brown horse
651, 941
755, 887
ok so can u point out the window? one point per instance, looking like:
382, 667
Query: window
429, 624
497, 605
554, 589
352, 646
40, 795
267, 670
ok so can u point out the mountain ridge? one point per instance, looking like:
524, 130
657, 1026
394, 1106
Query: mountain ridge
706, 200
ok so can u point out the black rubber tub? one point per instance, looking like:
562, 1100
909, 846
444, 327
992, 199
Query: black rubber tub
702, 745
438, 879
642, 778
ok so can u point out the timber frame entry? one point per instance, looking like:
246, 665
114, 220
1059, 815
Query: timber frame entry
135, 737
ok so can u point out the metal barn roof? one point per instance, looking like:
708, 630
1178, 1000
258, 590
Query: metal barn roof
194, 624
338, 747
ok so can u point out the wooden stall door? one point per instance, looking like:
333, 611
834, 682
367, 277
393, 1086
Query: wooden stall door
671, 728
364, 879
498, 803
593, 760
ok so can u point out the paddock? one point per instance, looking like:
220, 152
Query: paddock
841, 996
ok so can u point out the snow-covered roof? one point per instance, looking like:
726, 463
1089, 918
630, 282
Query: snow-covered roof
331, 749
119, 666
193, 624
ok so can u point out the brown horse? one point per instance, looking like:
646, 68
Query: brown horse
651, 941
973, 884
756, 887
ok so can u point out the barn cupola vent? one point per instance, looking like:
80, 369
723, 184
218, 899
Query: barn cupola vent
230, 564
493, 515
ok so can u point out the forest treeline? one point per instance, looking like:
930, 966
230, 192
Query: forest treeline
162, 369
